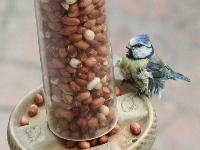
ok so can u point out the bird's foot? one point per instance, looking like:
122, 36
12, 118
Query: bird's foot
138, 93
127, 81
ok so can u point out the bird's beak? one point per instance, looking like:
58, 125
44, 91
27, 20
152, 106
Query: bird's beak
128, 46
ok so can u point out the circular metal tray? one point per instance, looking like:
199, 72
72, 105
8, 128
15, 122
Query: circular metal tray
131, 108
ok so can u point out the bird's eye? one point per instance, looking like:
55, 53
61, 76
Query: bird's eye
138, 45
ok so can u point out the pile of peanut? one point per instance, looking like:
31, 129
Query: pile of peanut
79, 67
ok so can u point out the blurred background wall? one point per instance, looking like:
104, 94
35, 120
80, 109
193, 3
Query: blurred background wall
174, 29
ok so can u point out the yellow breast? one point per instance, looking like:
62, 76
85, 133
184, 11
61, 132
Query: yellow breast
134, 64
139, 63
129, 67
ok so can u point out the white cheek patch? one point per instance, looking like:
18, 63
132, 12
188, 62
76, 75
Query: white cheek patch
142, 52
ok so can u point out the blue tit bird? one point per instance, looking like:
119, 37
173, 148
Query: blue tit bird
143, 68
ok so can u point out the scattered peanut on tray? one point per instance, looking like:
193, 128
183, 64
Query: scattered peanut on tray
32, 109
135, 128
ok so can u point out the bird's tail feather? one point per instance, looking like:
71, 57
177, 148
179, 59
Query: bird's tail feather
179, 76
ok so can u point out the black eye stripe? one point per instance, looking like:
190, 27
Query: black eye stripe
138, 45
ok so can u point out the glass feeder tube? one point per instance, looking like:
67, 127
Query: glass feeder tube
77, 68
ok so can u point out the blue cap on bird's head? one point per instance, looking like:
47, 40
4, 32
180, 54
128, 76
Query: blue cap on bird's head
140, 39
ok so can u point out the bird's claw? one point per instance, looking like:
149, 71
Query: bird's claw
126, 81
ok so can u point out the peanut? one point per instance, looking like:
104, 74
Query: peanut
93, 142
96, 28
90, 23
94, 14
90, 75
75, 134
92, 122
63, 42
75, 37
67, 114
55, 98
100, 3
111, 114
104, 109
97, 102
87, 10
75, 63
83, 69
90, 62
46, 7
55, 90
57, 63
70, 21
53, 17
100, 20
32, 110
67, 30
72, 50
135, 128
64, 73
106, 92
82, 76
81, 45
100, 37
54, 26
39, 99
103, 139
102, 50
74, 86
65, 88
94, 44
62, 52
96, 1
81, 82
70, 144
91, 52
73, 7
93, 83
24, 121
83, 19
84, 144
81, 29
101, 117
118, 91
65, 134
114, 130
65, 5
45, 1
55, 81
71, 69
62, 124
89, 35
82, 57
70, 1
85, 3
88, 101
67, 98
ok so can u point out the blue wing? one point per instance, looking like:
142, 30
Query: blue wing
160, 70
157, 67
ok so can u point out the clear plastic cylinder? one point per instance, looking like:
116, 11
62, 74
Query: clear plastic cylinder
77, 67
